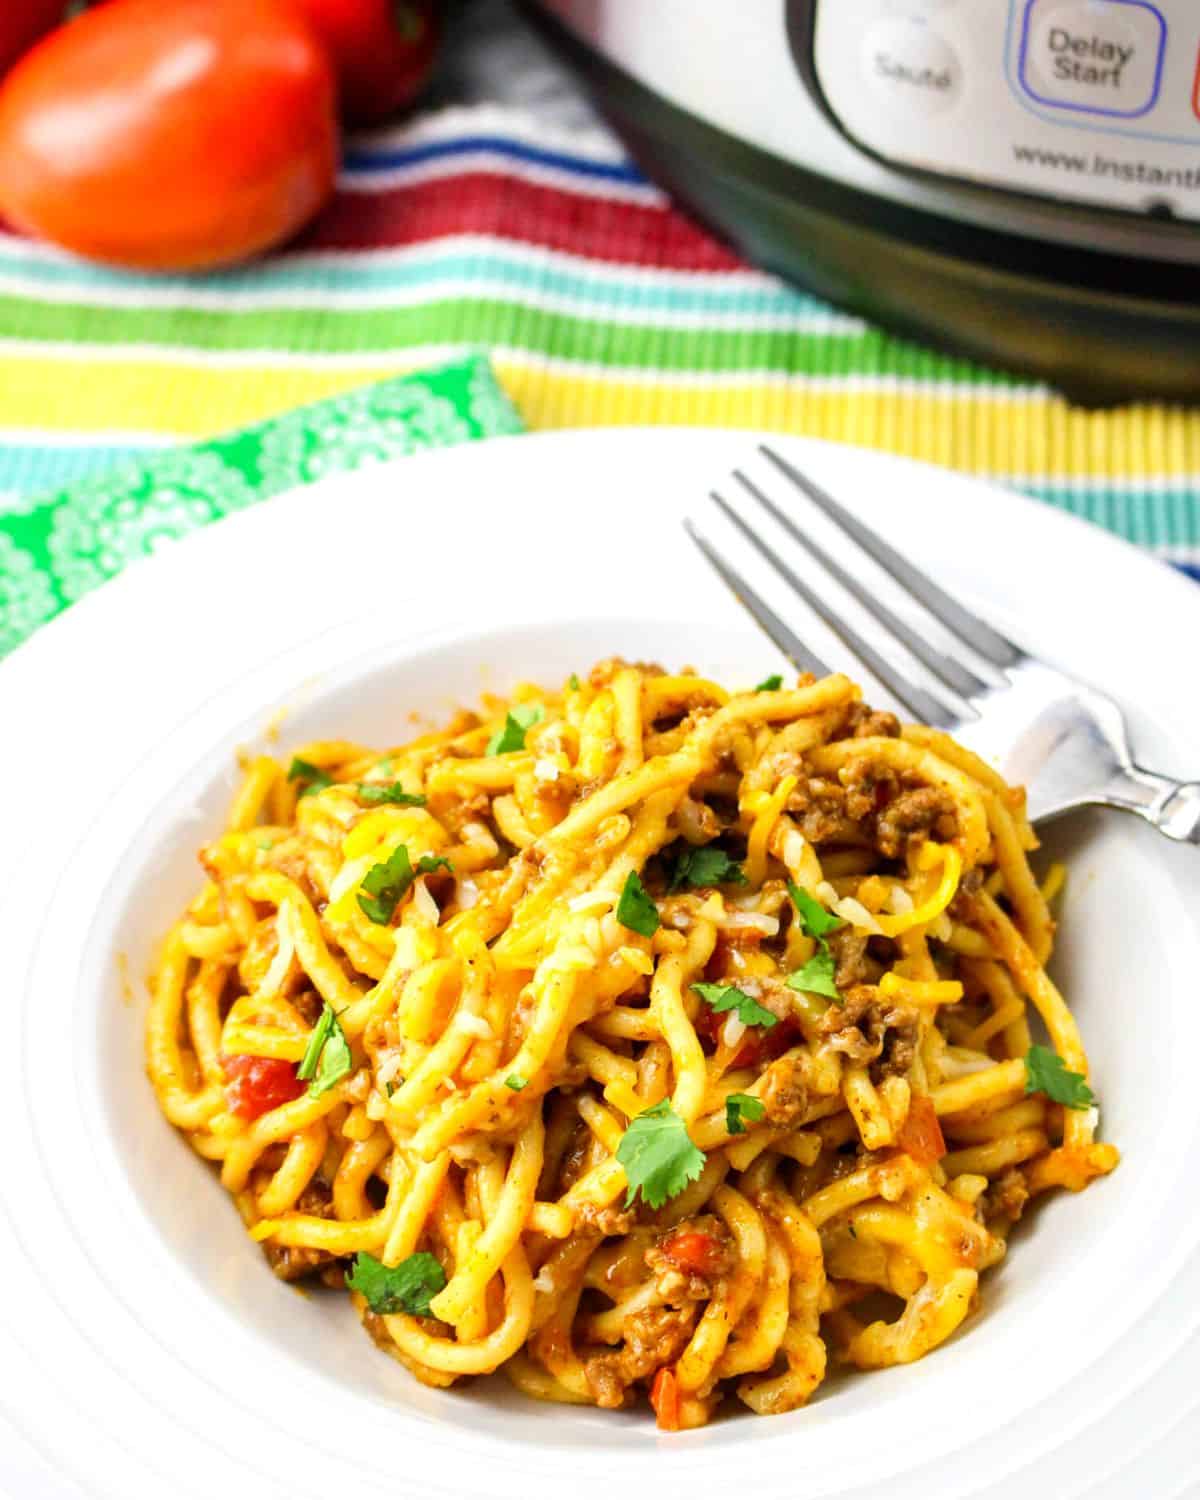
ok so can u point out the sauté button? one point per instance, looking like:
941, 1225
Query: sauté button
1101, 57
910, 65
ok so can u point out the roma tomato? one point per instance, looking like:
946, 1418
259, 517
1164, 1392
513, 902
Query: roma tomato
383, 51
170, 136
22, 22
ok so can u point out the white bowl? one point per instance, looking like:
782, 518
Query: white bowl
154, 1322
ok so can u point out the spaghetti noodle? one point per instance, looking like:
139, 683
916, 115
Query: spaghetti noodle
633, 1037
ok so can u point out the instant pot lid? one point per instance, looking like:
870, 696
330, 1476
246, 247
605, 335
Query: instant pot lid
1103, 327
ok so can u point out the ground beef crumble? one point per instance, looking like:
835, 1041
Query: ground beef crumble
678, 1280
1007, 1197
872, 807
784, 1092
819, 808
866, 1029
607, 1221
912, 816
294, 1263
864, 722
654, 1337
849, 950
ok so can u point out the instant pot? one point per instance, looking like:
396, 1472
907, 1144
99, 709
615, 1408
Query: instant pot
1014, 180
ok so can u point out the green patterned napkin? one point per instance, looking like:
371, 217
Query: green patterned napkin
54, 548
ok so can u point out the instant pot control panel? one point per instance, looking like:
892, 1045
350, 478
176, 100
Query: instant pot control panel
1092, 100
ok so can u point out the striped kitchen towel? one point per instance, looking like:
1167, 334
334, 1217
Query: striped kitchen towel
599, 302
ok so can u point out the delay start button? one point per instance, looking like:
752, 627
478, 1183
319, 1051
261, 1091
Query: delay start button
911, 66
1101, 57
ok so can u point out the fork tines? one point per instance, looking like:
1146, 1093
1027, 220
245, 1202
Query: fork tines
965, 628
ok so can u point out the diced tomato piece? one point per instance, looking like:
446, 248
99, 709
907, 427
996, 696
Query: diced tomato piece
759, 1045
694, 1251
921, 1135
258, 1084
664, 1398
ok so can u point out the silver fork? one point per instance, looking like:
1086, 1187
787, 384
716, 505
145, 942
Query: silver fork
1064, 741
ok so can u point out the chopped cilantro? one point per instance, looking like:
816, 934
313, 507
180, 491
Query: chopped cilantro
706, 866
311, 777
407, 1287
516, 1082
517, 722
636, 910
390, 1087
385, 885
317, 1038
814, 919
373, 793
573, 682
386, 882
723, 997
739, 1107
817, 975
658, 1155
327, 1057
1046, 1073
770, 684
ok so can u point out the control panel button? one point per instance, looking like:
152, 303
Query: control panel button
1102, 57
910, 65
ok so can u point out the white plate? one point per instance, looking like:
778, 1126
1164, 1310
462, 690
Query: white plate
145, 1351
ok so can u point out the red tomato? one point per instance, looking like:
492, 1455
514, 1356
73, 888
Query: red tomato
170, 136
694, 1251
382, 50
921, 1135
759, 1045
258, 1084
22, 22
664, 1398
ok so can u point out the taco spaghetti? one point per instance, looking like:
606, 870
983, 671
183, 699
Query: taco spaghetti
633, 1037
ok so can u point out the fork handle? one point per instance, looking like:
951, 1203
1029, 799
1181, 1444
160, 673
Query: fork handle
1173, 807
